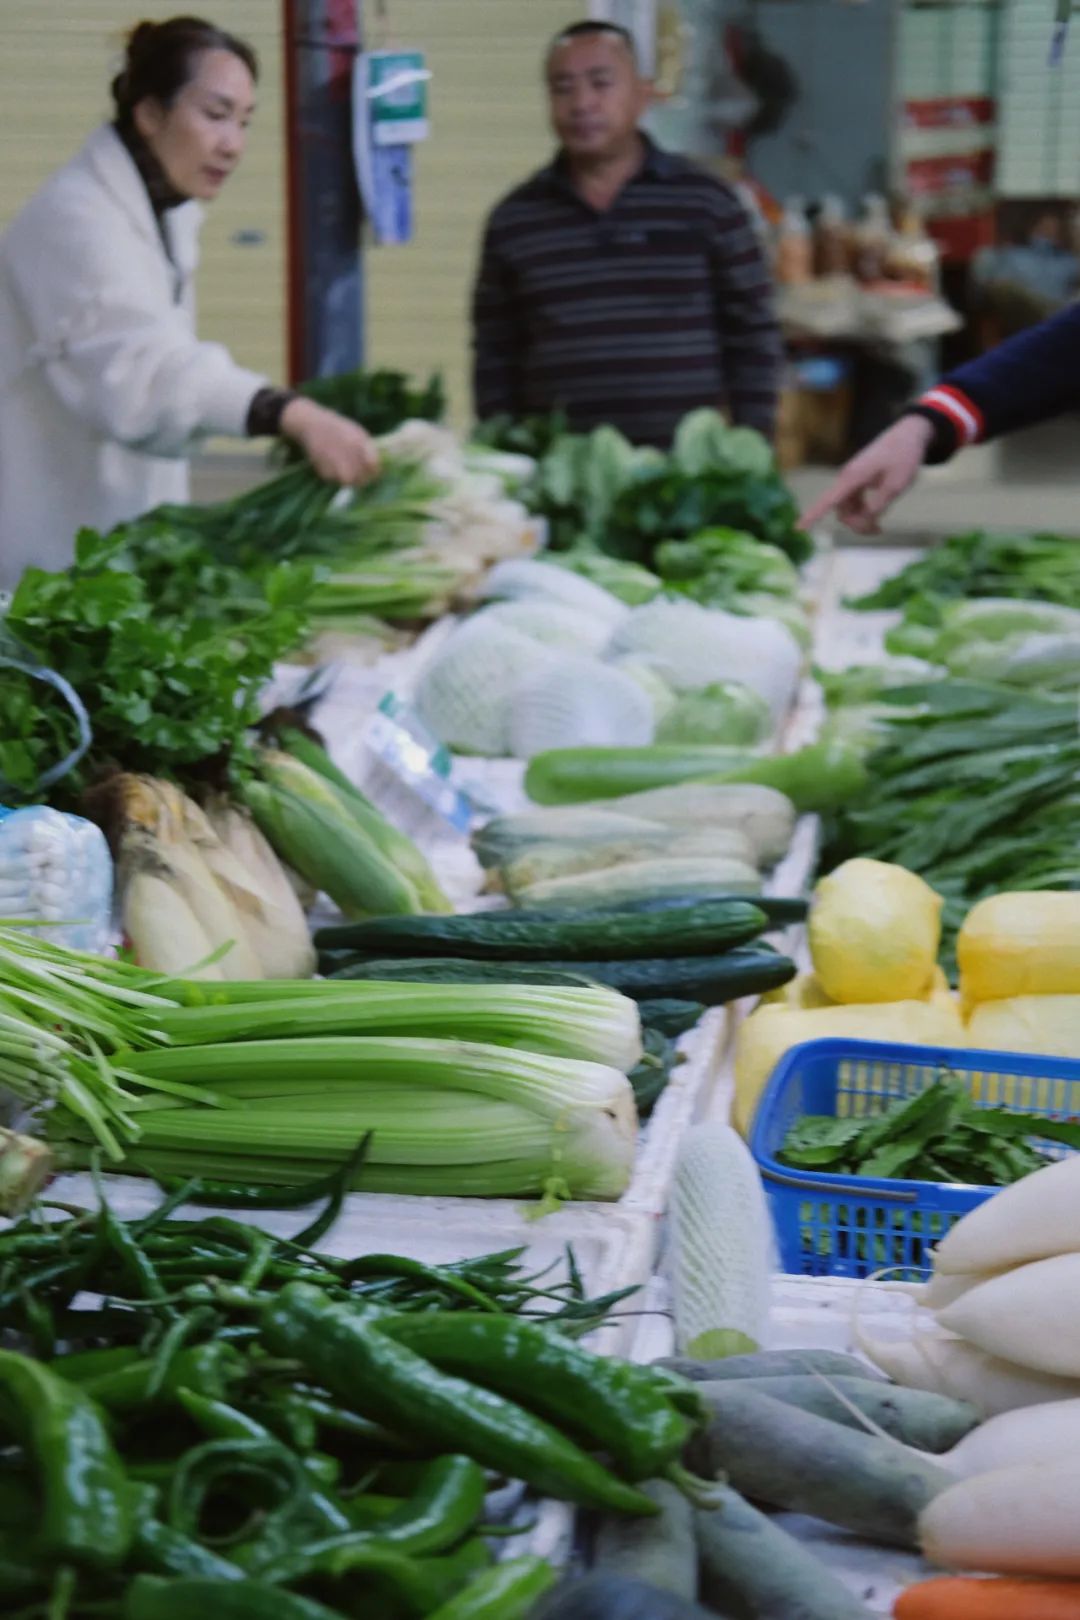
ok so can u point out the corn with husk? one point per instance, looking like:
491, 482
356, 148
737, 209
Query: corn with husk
339, 842
202, 893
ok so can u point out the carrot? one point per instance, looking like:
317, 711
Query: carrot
1003, 1597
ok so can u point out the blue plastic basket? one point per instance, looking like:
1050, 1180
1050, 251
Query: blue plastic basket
851, 1226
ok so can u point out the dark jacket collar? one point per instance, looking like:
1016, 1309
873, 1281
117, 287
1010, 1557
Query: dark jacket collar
159, 188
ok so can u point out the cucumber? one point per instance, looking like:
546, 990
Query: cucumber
660, 1551
671, 1018
791, 1459
780, 909
772, 1364
929, 1422
748, 1558
575, 775
709, 980
699, 930
446, 970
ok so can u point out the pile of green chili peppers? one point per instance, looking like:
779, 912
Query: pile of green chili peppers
201, 1420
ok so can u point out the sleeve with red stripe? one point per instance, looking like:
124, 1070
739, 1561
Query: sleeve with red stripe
963, 413
1029, 379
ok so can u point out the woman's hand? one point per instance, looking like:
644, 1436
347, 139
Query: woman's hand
876, 477
340, 451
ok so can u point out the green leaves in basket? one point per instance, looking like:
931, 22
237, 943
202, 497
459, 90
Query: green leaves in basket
938, 1135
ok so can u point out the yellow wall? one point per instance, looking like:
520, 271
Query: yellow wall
488, 132
56, 60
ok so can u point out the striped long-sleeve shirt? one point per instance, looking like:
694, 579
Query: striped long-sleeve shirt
1028, 379
632, 316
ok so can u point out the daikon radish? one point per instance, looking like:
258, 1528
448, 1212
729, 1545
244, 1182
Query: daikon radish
1030, 1316
1017, 1521
1031, 1220
945, 1286
950, 1367
1035, 1434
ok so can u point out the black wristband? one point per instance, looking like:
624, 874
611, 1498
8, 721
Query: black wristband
266, 410
945, 441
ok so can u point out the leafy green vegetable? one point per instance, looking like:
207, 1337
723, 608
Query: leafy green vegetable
525, 436
940, 1134
1045, 567
168, 650
379, 400
626, 499
705, 443
975, 787
628, 581
719, 564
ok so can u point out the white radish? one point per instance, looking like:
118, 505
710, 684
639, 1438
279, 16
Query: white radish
1024, 1438
1030, 1316
1031, 1220
948, 1366
1015, 1521
945, 1286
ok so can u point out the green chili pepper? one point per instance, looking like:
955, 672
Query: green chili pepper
88, 1502
339, 1420
205, 1368
506, 1592
257, 1467
417, 1585
445, 1506
394, 1265
225, 1423
82, 1365
613, 1405
342, 1346
368, 1510
149, 1598
161, 1550
18, 1578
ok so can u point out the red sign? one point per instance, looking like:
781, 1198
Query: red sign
929, 177
950, 112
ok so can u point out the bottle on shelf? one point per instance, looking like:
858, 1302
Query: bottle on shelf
832, 239
794, 249
871, 239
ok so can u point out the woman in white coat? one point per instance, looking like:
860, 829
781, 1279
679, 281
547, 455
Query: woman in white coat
104, 386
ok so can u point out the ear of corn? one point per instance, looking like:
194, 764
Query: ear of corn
310, 830
398, 849
186, 894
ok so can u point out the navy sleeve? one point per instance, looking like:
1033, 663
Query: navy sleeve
1032, 377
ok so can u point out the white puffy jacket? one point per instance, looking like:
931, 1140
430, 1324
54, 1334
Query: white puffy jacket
104, 387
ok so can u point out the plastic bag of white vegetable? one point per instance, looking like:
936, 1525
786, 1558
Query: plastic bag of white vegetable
699, 646
56, 871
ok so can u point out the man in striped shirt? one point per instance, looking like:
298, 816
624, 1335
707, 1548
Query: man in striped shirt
621, 284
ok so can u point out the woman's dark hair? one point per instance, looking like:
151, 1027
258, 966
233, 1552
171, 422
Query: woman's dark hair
160, 60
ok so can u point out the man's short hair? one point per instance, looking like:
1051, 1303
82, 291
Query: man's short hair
594, 26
